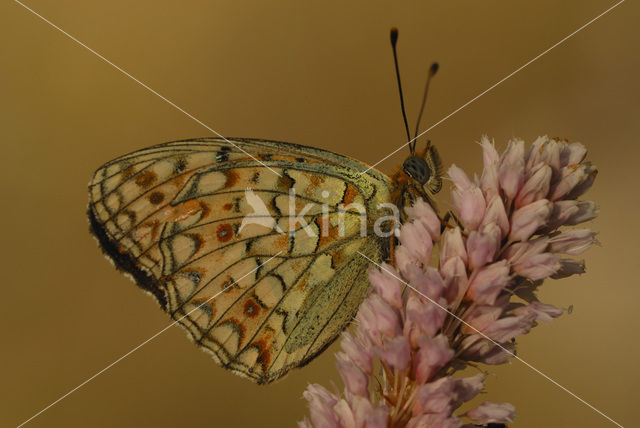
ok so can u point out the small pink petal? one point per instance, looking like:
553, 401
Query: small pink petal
459, 178
541, 312
572, 242
573, 154
489, 181
367, 415
536, 187
416, 238
385, 282
422, 212
477, 348
404, 261
574, 181
452, 245
486, 283
435, 397
534, 155
321, 403
355, 380
345, 414
426, 316
465, 389
480, 317
395, 352
428, 282
454, 274
538, 266
377, 318
483, 244
511, 171
357, 352
526, 220
489, 412
432, 355
496, 213
470, 206
505, 329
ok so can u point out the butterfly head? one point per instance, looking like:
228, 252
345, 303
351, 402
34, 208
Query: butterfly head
424, 170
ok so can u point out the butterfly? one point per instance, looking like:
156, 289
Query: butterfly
205, 227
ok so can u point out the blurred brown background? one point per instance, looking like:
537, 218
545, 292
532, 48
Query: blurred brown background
319, 74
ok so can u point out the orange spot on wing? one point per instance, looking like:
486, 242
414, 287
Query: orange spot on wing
224, 232
350, 194
146, 179
251, 309
232, 178
227, 207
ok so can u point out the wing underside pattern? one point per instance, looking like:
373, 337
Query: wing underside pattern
264, 296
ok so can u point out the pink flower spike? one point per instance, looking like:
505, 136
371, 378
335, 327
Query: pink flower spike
572, 242
422, 212
432, 355
489, 412
511, 171
395, 352
526, 220
357, 352
496, 213
536, 187
482, 245
416, 238
452, 245
386, 283
488, 282
354, 379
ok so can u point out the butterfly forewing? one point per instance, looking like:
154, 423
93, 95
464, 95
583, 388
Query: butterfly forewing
264, 296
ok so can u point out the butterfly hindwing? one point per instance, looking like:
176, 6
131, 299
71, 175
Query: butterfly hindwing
262, 296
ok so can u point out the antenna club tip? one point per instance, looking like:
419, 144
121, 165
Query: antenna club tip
434, 68
394, 36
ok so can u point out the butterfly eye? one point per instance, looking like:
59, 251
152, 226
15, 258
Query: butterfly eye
417, 168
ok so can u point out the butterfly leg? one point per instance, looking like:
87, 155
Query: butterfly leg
449, 217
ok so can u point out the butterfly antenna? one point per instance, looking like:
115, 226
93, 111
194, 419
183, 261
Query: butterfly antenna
432, 71
394, 40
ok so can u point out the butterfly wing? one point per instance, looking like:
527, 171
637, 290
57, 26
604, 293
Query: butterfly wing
205, 226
